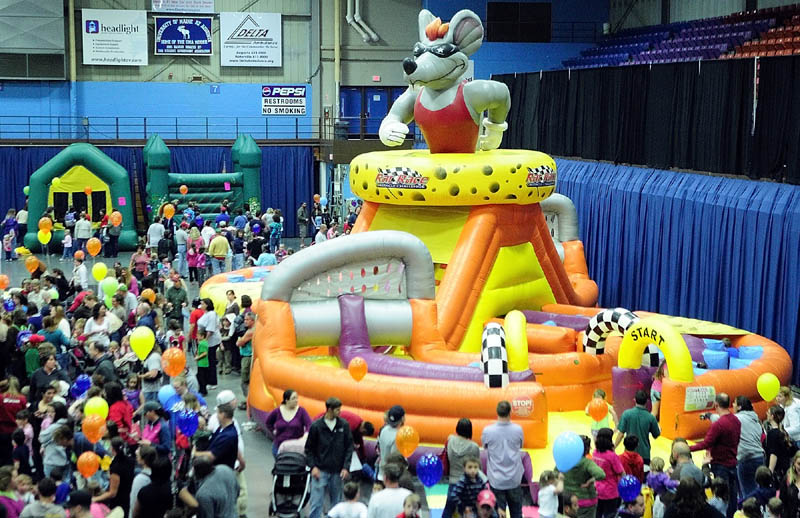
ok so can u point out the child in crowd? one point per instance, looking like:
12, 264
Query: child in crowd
24, 485
606, 421
775, 508
719, 499
66, 244
469, 485
21, 454
750, 509
23, 423
202, 362
132, 391
351, 507
655, 388
411, 507
378, 485
657, 480
487, 504
551, 485
191, 260
8, 241
58, 475
632, 461
280, 255
764, 491
202, 265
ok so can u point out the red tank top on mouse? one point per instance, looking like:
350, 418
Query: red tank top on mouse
449, 130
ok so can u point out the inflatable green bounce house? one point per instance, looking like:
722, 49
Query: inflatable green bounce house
241, 186
89, 181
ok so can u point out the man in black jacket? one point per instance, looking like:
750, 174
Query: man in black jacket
329, 450
103, 362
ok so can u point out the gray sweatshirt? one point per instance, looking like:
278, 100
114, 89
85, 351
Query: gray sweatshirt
458, 449
750, 438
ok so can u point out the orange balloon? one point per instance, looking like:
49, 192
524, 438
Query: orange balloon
79, 254
88, 463
184, 189
45, 225
93, 246
94, 427
357, 368
407, 440
31, 263
4, 282
316, 198
116, 218
87, 190
598, 409
149, 295
173, 361
169, 211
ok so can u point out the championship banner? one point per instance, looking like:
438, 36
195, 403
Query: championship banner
114, 37
183, 36
250, 39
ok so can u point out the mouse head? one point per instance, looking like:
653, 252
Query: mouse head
442, 54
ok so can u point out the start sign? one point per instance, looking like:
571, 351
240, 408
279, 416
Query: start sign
283, 100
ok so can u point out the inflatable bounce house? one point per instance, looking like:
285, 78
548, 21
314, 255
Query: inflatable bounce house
208, 190
464, 284
83, 177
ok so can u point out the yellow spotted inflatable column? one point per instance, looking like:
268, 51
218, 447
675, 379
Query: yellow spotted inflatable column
516, 326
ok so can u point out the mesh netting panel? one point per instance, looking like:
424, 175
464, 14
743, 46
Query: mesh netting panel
377, 279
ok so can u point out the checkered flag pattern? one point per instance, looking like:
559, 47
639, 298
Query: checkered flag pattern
602, 324
395, 172
544, 168
650, 357
494, 356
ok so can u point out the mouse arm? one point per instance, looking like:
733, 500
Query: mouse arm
492, 97
394, 127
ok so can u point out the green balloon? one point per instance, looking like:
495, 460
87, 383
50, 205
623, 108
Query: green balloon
107, 300
53, 294
26, 190
109, 286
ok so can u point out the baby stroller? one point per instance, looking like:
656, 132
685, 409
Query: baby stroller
291, 485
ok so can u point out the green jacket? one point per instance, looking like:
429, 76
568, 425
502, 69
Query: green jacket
583, 471
177, 296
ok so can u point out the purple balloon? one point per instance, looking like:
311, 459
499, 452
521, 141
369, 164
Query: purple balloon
187, 422
148, 208
199, 221
9, 305
256, 228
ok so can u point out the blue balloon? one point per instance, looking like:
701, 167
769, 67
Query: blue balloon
164, 395
567, 451
148, 208
187, 422
172, 402
9, 305
81, 385
199, 221
23, 337
256, 228
629, 488
323, 201
429, 469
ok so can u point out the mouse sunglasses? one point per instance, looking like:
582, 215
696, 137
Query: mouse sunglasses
443, 50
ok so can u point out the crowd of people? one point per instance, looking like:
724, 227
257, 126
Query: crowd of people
56, 331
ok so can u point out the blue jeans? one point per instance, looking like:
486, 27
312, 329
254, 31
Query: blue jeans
67, 254
274, 243
512, 497
80, 244
729, 475
238, 261
183, 266
217, 265
330, 481
746, 473
451, 503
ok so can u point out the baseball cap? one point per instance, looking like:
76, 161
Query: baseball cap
225, 397
395, 414
36, 339
81, 498
486, 497
122, 287
151, 406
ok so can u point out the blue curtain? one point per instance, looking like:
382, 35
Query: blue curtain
17, 164
708, 247
200, 159
287, 180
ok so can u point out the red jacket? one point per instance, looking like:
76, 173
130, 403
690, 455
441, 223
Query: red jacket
121, 413
633, 464
10, 404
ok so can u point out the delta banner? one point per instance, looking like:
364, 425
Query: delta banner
184, 6
183, 36
114, 37
250, 39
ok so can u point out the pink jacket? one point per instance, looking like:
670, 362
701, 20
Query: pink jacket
610, 463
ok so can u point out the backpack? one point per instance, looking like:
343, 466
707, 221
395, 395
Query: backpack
69, 219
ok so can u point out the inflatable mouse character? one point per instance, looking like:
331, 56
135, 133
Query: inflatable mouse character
447, 110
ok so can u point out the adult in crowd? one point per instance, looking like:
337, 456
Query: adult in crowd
217, 489
608, 500
779, 446
722, 443
790, 489
388, 502
120, 411
224, 445
791, 407
97, 330
684, 465
750, 452
154, 234
177, 298
44, 376
458, 447
79, 504
145, 457
83, 231
329, 451
155, 499
209, 324
641, 423
580, 480
395, 418
245, 346
632, 509
218, 250
227, 397
288, 421
80, 276
120, 480
151, 375
10, 404
302, 223
9, 501
322, 234
103, 361
139, 262
181, 239
156, 429
690, 502
52, 334
502, 441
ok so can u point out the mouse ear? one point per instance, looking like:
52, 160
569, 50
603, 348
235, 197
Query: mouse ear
424, 19
467, 31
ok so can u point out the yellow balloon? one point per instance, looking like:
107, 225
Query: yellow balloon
105, 463
56, 181
142, 340
768, 386
44, 237
99, 271
96, 406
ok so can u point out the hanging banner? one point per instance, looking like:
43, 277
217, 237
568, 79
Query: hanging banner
183, 36
183, 6
250, 39
114, 37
